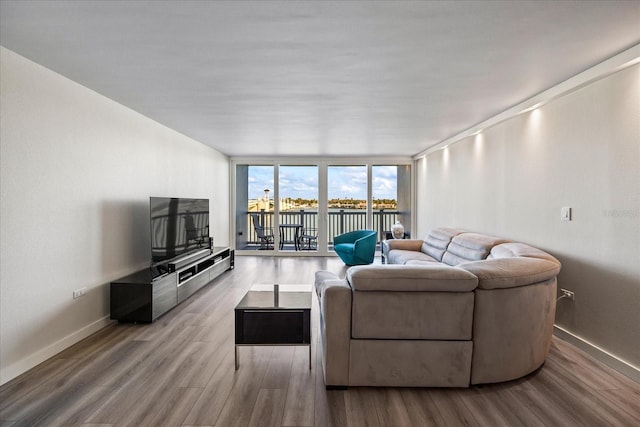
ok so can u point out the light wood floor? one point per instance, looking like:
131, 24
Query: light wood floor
179, 371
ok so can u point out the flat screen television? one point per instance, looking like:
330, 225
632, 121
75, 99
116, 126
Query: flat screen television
179, 227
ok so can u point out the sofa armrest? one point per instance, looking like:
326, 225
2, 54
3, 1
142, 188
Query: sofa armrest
415, 278
405, 244
334, 296
501, 273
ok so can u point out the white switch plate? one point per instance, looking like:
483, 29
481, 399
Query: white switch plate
565, 213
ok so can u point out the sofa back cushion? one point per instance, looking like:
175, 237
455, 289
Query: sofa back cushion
470, 247
432, 301
436, 242
511, 265
514, 249
431, 277
503, 273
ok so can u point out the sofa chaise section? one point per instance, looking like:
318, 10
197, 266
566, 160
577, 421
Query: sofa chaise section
515, 305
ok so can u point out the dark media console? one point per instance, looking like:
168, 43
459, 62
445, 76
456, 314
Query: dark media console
148, 294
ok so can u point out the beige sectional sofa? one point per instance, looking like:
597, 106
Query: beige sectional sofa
456, 309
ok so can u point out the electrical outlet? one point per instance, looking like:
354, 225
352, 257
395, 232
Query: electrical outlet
79, 292
567, 294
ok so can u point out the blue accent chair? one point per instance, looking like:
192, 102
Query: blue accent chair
356, 247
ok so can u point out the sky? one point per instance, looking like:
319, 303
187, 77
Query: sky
344, 182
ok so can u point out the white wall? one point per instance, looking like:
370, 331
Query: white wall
581, 150
77, 172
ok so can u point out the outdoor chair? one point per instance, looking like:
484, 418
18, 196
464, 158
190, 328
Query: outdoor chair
308, 239
265, 234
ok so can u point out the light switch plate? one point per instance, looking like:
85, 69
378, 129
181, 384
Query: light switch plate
565, 213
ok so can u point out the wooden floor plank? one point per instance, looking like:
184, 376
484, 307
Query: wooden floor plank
85, 401
207, 409
179, 371
513, 410
390, 408
626, 404
329, 405
16, 391
162, 393
451, 408
238, 407
497, 407
601, 377
299, 406
583, 402
278, 371
421, 409
268, 409
145, 381
169, 408
360, 406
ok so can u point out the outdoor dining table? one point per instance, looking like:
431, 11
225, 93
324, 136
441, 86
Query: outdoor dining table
296, 235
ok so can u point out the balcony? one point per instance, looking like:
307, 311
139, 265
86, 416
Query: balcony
339, 221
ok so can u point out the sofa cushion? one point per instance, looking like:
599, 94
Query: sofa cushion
419, 278
324, 279
470, 247
400, 256
513, 249
413, 363
436, 242
421, 262
501, 273
404, 244
412, 315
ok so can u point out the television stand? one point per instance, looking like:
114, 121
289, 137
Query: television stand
143, 296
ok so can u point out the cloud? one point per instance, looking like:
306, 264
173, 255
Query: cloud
343, 181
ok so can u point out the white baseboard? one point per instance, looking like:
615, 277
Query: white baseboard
625, 368
33, 360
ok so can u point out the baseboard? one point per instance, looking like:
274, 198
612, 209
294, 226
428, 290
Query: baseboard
33, 360
599, 354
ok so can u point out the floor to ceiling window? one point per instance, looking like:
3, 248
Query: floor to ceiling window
298, 208
254, 207
346, 200
391, 198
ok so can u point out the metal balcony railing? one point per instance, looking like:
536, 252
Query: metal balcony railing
339, 221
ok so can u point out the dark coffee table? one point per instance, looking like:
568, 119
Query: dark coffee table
274, 315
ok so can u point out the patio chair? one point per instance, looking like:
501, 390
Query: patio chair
308, 239
265, 234
356, 247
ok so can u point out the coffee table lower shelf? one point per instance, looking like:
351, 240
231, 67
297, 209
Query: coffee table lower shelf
273, 317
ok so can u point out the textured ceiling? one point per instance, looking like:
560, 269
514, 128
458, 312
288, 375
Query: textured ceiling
319, 78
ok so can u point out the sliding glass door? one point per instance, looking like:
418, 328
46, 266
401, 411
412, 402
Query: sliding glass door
254, 208
297, 208
298, 203
346, 200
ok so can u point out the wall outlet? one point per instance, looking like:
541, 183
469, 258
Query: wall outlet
567, 294
79, 292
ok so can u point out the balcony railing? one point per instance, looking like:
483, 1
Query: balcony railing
339, 221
